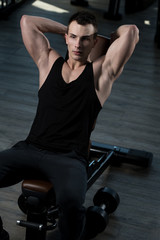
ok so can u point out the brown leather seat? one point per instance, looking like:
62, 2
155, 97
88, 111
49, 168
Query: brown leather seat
37, 185
39, 189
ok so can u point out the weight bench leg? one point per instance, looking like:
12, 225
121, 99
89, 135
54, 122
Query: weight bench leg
36, 200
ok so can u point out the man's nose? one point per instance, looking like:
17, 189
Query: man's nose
78, 43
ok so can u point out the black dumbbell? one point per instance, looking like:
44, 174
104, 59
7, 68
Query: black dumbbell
106, 200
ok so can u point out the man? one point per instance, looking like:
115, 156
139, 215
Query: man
71, 94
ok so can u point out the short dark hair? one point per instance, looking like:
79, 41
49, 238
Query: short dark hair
84, 18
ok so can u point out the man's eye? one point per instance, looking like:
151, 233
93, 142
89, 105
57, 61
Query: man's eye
85, 38
72, 36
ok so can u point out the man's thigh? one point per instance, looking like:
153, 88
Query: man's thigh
16, 164
68, 174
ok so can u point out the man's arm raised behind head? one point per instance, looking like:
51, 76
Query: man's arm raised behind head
123, 43
36, 43
100, 48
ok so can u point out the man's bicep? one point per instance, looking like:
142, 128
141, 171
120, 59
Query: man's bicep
122, 48
35, 41
117, 56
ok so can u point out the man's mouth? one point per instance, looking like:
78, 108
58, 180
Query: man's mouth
77, 52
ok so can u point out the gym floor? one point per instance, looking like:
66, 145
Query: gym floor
130, 118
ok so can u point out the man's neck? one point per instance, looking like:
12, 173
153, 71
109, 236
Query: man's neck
73, 64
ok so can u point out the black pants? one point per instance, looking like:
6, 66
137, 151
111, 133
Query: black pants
66, 171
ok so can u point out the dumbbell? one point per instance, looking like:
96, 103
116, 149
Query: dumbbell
106, 200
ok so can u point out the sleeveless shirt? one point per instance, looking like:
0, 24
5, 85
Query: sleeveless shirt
66, 112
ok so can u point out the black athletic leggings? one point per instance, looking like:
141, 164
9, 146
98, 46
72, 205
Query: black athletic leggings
66, 171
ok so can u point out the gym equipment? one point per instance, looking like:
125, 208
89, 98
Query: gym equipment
38, 197
38, 202
3, 233
132, 6
7, 7
157, 35
113, 10
115, 156
82, 3
106, 200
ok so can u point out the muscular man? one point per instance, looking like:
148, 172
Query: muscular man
71, 94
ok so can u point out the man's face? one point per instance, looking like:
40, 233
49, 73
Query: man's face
80, 40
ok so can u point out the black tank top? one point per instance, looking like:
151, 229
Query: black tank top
66, 112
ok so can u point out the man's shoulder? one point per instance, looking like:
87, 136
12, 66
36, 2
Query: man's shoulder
45, 68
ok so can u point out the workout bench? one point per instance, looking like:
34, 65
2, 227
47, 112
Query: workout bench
38, 199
